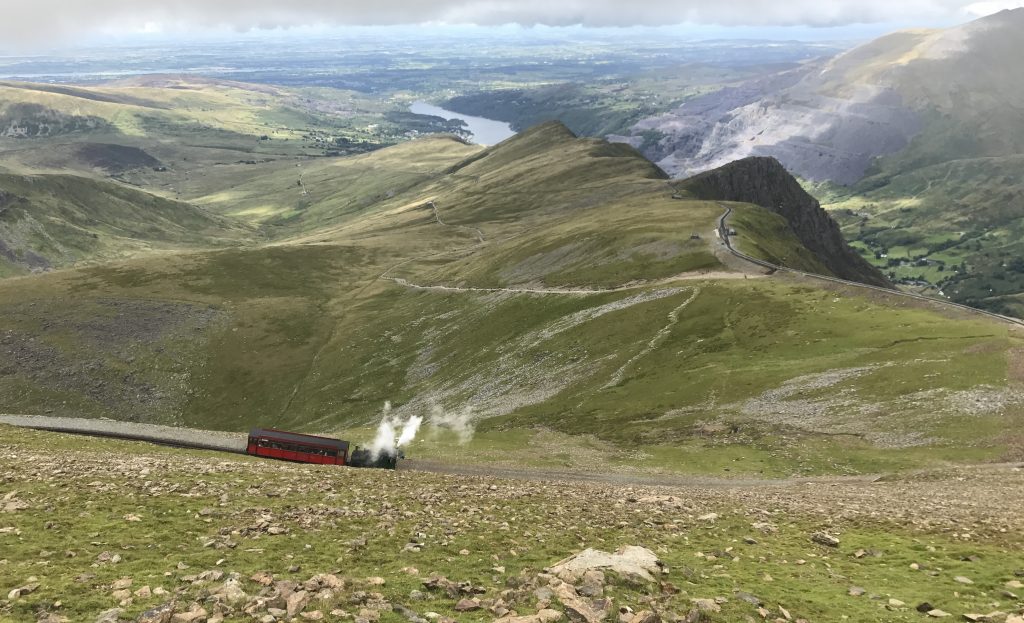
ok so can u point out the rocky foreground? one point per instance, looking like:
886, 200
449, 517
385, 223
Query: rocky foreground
106, 531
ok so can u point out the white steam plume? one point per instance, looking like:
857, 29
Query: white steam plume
409, 430
393, 433
384, 442
459, 422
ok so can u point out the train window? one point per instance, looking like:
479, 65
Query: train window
264, 443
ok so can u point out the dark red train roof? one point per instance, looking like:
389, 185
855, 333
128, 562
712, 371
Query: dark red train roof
281, 435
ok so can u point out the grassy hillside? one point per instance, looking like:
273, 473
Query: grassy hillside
290, 198
546, 284
55, 220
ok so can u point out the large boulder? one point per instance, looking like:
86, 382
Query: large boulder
631, 562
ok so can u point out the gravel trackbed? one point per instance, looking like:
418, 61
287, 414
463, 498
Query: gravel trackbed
170, 435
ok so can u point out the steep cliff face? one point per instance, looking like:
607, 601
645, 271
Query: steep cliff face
765, 182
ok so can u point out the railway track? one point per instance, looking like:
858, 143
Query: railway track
723, 234
187, 438
175, 438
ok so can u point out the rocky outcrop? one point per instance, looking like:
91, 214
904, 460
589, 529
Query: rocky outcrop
629, 562
765, 182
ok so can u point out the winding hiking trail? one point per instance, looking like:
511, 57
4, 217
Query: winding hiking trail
437, 217
481, 240
661, 336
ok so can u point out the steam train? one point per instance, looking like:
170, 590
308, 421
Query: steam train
299, 448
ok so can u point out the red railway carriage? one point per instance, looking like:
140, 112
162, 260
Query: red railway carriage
279, 444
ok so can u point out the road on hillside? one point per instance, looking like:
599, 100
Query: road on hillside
723, 234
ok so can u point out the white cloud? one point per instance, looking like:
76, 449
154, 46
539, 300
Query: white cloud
46, 20
981, 9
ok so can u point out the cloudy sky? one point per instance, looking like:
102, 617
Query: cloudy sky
50, 22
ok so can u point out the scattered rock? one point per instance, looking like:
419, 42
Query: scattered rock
467, 605
109, 616
160, 614
544, 616
579, 610
195, 614
296, 602
22, 590
826, 539
11, 504
410, 615
706, 605
753, 600
231, 592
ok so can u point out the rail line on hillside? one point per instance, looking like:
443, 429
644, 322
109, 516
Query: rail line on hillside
723, 235
171, 437
163, 435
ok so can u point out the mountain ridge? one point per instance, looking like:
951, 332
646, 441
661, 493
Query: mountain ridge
763, 181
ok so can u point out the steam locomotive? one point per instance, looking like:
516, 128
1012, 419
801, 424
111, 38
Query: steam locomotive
300, 448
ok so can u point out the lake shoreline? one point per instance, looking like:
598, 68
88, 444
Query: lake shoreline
482, 131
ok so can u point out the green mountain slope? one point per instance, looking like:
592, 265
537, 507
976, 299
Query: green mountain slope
50, 221
945, 213
547, 284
